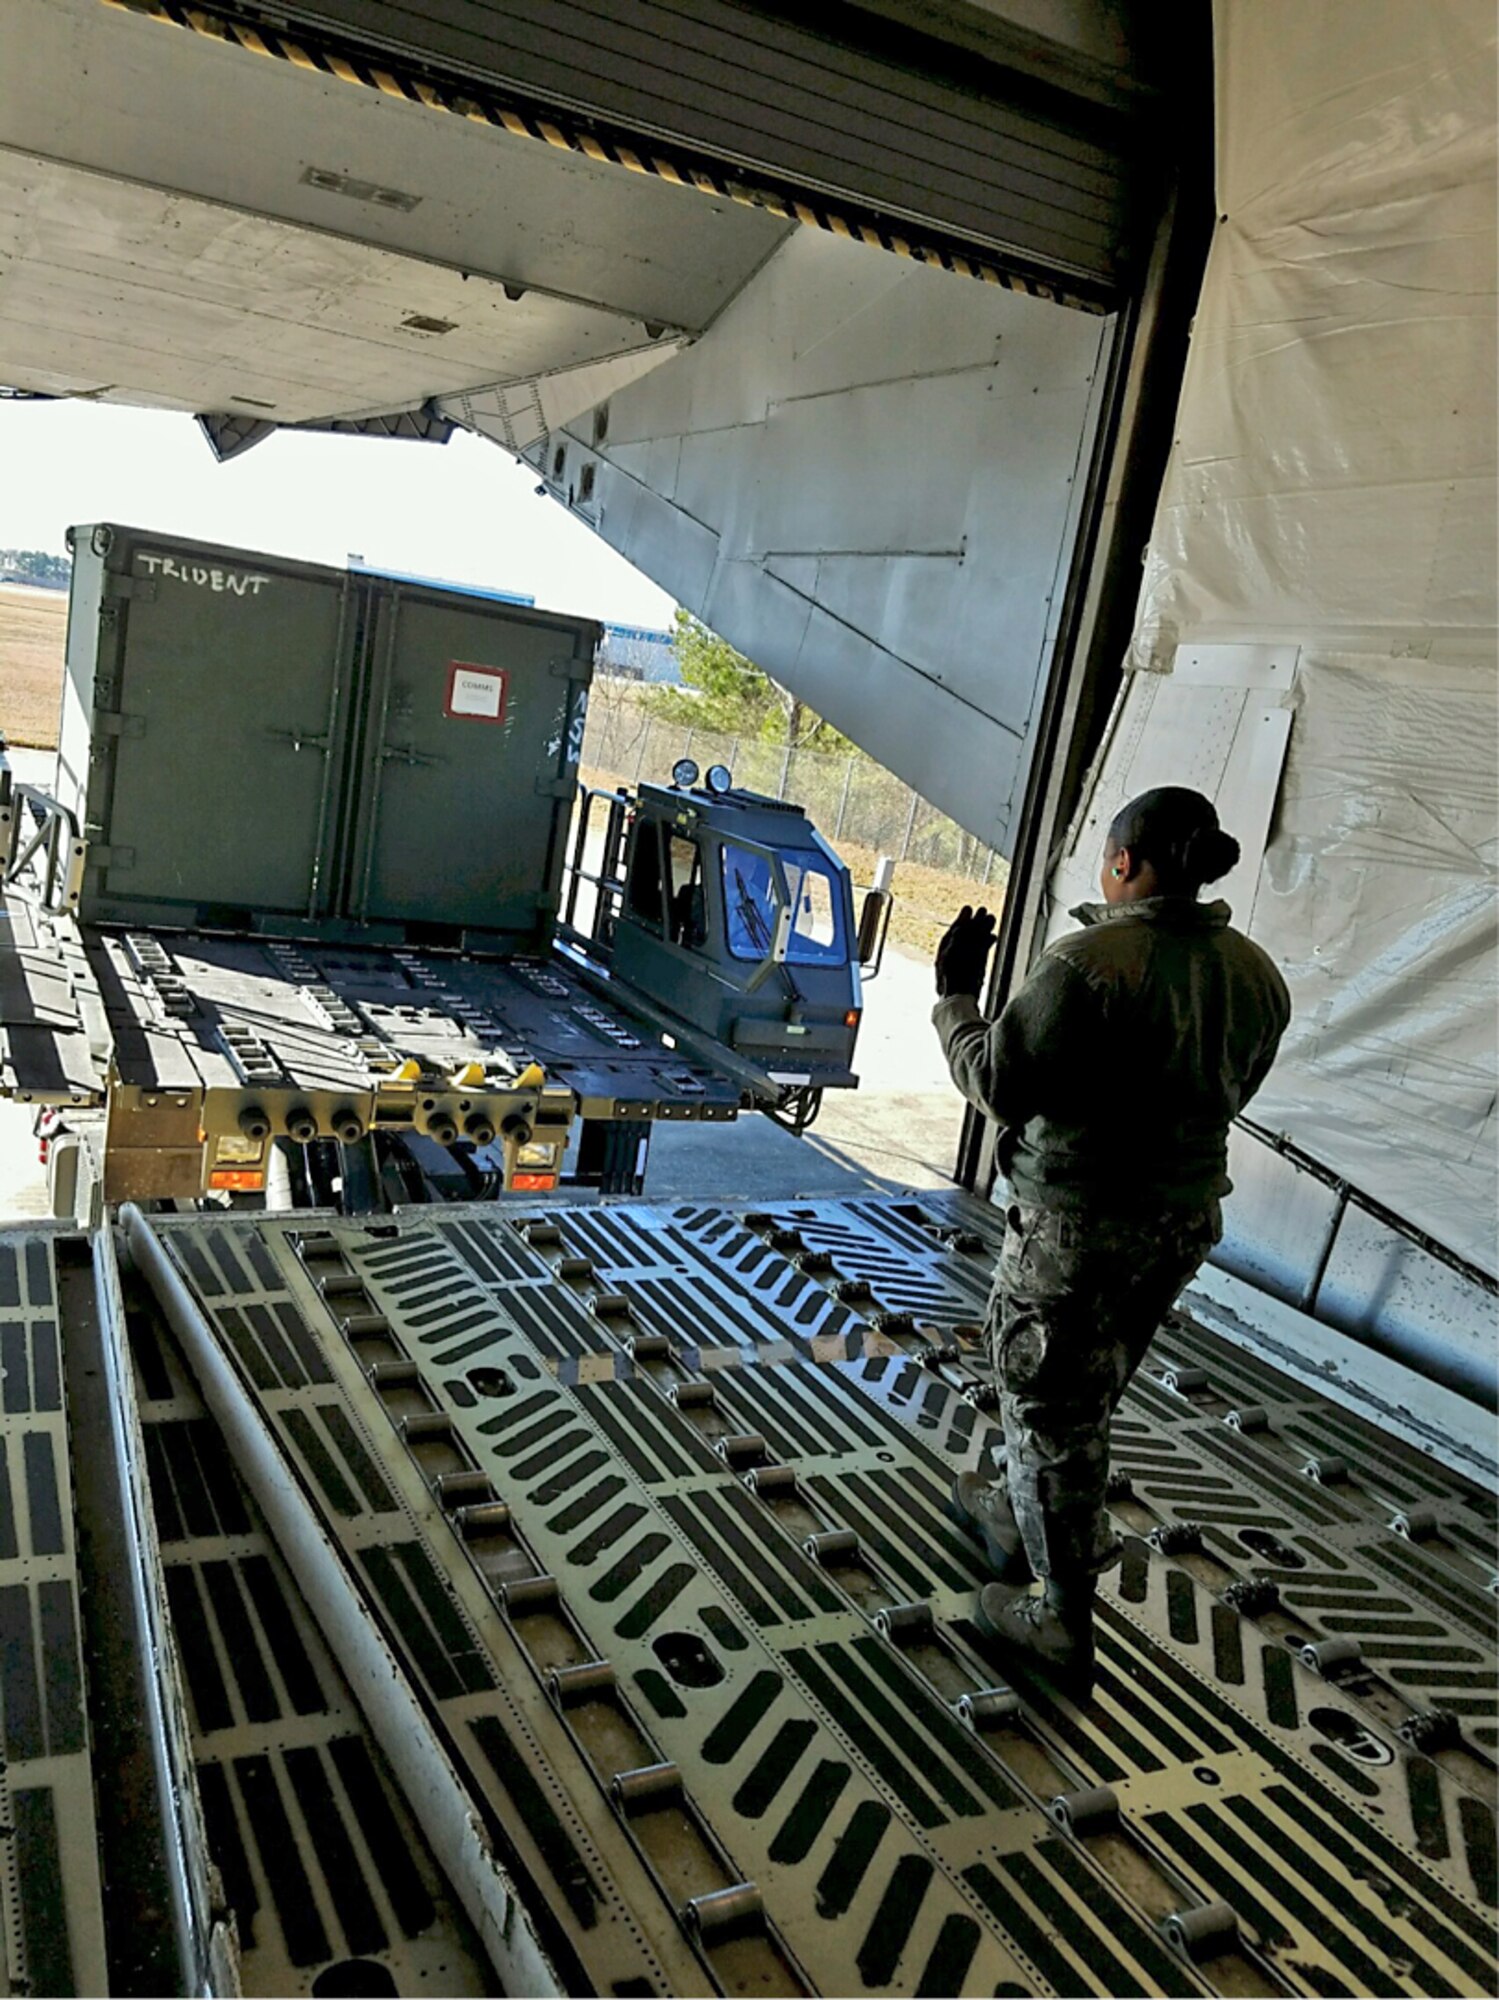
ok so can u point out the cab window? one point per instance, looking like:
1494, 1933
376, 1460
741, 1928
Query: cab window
750, 908
643, 894
688, 907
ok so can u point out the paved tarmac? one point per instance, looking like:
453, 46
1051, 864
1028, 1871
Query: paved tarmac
899, 1129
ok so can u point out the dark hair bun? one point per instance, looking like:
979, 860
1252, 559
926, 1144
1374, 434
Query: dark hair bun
1212, 853
1177, 831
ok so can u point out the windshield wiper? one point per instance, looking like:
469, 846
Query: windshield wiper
758, 932
749, 910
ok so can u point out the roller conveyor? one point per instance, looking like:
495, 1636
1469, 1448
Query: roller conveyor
631, 1517
205, 1048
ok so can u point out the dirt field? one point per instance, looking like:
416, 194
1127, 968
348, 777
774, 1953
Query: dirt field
926, 899
33, 624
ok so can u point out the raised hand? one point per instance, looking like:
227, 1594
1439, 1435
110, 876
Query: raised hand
964, 952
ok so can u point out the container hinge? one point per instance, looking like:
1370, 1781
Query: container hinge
107, 722
111, 857
402, 753
300, 740
132, 587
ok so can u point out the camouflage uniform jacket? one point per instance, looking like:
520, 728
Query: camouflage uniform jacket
1120, 1063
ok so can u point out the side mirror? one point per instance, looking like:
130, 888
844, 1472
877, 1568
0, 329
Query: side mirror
871, 918
874, 918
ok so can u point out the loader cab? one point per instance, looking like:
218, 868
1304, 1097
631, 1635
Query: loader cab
738, 917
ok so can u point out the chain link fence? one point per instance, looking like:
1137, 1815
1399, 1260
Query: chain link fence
863, 809
852, 799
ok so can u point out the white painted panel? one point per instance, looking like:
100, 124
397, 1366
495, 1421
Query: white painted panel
886, 459
522, 411
781, 613
95, 86
189, 305
1228, 742
717, 477
657, 537
518, 413
873, 471
953, 750
1246, 800
844, 332
1236, 666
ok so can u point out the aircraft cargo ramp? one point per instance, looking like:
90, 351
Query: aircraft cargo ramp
562, 1599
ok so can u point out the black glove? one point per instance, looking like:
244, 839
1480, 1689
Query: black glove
963, 953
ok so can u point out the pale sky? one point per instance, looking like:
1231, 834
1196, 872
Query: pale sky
464, 511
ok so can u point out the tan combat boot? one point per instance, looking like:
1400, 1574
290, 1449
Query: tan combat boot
1050, 1635
982, 1507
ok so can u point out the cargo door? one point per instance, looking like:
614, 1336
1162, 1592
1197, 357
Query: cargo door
475, 731
228, 696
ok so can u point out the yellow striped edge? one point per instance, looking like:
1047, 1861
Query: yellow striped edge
327, 61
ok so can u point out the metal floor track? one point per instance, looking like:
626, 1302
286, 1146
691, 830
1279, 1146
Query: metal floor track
647, 1505
640, 1512
51, 1907
318, 1854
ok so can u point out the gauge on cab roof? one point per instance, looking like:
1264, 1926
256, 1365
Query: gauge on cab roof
720, 779
684, 773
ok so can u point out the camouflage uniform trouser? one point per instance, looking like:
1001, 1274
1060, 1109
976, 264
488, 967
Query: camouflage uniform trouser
1076, 1303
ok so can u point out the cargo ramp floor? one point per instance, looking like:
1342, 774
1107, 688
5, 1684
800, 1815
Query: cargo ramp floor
564, 1597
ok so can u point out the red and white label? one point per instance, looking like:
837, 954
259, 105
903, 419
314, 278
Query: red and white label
475, 694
